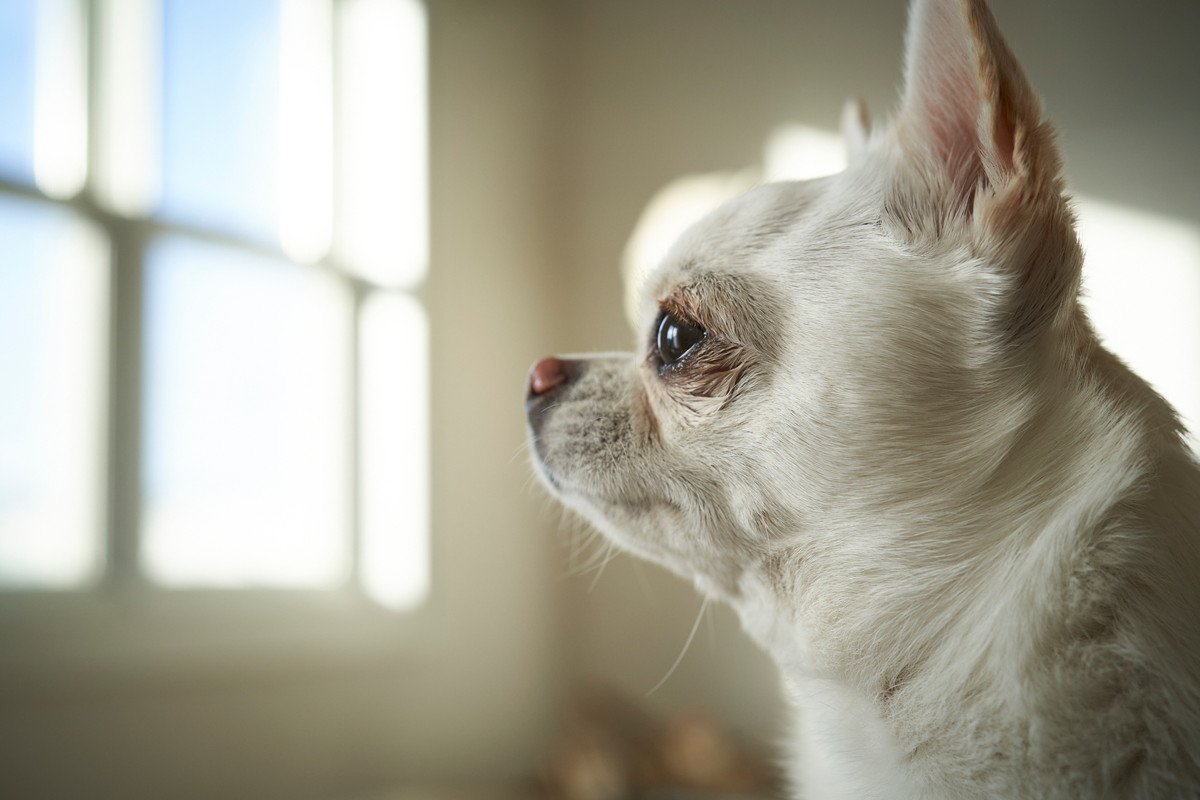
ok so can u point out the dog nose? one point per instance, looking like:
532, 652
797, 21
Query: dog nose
545, 375
546, 379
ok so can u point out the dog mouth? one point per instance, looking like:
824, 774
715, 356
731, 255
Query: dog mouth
543, 470
536, 409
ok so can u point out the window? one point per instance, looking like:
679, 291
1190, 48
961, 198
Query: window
213, 345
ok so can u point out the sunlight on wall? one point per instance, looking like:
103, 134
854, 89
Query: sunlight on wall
801, 152
1142, 291
1141, 272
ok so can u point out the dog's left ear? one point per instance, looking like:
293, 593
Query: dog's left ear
968, 109
856, 129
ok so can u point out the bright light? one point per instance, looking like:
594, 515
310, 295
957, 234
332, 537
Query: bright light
305, 128
383, 217
129, 86
395, 451
60, 104
800, 153
245, 451
54, 290
1142, 285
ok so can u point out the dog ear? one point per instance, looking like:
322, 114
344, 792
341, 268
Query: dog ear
978, 162
967, 108
856, 129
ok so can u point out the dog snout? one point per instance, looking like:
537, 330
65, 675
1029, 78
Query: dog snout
547, 378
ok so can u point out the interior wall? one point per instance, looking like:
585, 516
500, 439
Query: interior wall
662, 88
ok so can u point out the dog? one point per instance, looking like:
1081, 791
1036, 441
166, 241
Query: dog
869, 413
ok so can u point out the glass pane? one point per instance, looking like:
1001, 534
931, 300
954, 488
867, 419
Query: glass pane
125, 177
18, 21
245, 453
53, 353
306, 114
395, 453
220, 63
384, 175
60, 106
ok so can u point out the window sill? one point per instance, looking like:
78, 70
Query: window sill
99, 639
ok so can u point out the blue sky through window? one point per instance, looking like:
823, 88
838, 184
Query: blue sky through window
18, 19
52, 350
220, 114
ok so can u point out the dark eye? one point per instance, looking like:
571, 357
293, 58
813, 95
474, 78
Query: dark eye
676, 337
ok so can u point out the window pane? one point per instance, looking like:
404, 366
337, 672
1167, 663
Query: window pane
53, 334
128, 97
18, 20
60, 104
394, 462
220, 119
384, 208
245, 452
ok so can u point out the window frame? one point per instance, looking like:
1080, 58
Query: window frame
124, 619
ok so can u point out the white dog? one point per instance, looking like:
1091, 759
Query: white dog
869, 413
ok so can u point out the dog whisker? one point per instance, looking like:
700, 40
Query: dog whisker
686, 645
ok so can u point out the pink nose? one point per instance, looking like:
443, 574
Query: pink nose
545, 375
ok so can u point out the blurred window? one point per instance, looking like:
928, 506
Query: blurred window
212, 338
220, 114
53, 356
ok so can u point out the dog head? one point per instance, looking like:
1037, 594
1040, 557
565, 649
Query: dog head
816, 358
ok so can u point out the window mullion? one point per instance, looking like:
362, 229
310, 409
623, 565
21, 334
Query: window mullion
354, 438
359, 289
125, 403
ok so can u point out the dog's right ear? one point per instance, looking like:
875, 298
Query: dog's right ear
977, 162
968, 112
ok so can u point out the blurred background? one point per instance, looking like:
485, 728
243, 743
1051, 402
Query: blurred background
271, 276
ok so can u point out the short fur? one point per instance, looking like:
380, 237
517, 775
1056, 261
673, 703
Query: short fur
968, 534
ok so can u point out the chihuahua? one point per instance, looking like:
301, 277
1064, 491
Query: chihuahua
869, 412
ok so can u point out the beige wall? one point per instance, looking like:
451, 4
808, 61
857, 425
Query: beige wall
553, 123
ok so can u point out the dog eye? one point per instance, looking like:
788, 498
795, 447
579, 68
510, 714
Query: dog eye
676, 338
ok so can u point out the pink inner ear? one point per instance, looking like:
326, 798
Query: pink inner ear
961, 88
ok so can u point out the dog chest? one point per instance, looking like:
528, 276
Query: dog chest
842, 749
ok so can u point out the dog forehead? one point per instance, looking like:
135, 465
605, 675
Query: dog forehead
729, 235
722, 253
